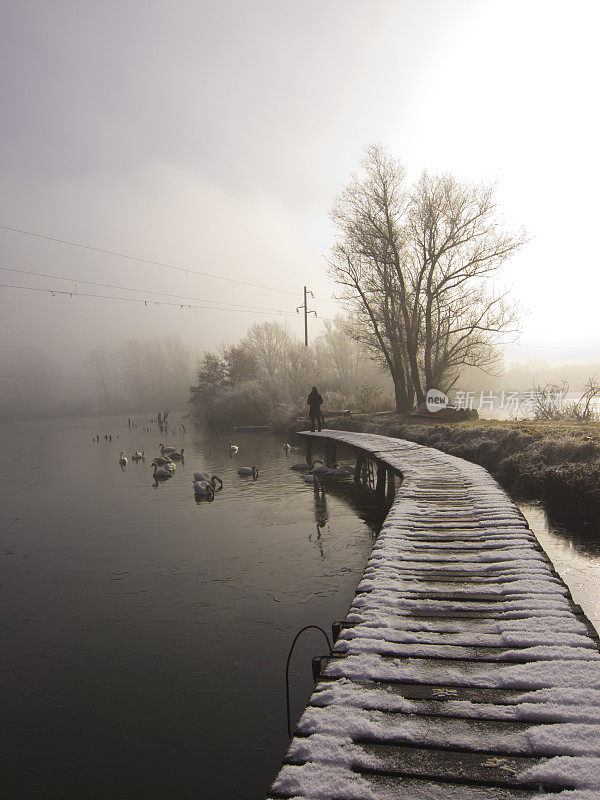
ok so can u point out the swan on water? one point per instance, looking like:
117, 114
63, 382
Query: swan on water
138, 455
320, 469
303, 466
162, 460
166, 451
214, 481
204, 489
233, 448
160, 474
122, 459
286, 448
201, 476
170, 467
177, 455
338, 472
249, 471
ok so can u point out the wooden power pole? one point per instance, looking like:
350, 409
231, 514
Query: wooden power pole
306, 313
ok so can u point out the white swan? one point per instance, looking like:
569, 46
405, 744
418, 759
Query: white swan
233, 448
204, 489
320, 469
160, 474
122, 459
201, 476
338, 472
303, 466
249, 471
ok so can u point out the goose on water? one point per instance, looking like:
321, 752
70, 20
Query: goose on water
249, 471
233, 448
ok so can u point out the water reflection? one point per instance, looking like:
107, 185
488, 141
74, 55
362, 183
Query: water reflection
193, 608
575, 553
321, 513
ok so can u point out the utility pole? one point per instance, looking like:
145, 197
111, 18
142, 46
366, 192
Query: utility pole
306, 313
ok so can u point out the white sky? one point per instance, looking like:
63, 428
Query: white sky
217, 136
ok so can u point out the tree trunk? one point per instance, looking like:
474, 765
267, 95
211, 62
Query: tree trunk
403, 403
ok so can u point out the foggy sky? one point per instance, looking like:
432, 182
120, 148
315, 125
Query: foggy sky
217, 136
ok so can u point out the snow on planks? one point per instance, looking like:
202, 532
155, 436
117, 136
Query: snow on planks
463, 665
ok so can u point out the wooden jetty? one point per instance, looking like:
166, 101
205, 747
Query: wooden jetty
463, 668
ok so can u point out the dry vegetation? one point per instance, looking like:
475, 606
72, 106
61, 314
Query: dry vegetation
558, 462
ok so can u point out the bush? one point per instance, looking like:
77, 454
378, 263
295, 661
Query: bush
573, 490
247, 404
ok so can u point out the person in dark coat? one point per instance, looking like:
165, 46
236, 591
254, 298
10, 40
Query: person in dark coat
315, 402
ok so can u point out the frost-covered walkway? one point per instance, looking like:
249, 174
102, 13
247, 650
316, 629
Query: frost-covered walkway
464, 669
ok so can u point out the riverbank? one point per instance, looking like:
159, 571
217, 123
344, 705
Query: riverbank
556, 462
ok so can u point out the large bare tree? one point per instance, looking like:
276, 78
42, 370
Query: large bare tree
415, 264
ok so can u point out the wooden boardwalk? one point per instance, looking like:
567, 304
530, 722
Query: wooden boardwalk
463, 669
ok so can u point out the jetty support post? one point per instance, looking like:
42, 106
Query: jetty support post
391, 486
380, 484
358, 469
309, 450
330, 454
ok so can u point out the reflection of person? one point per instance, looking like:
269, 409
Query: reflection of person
321, 513
314, 408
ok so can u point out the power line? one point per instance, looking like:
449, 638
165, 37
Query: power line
74, 293
65, 336
78, 316
130, 289
165, 265
50, 349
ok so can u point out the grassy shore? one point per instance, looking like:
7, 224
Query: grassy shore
557, 462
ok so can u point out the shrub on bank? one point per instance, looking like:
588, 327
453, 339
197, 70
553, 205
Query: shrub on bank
574, 490
247, 404
559, 466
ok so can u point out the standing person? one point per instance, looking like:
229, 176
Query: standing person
315, 402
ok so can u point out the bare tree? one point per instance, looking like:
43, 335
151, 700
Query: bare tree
584, 409
101, 364
415, 266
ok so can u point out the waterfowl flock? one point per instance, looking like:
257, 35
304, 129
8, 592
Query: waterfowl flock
205, 485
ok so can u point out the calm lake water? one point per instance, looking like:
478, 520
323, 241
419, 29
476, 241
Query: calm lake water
144, 635
575, 554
